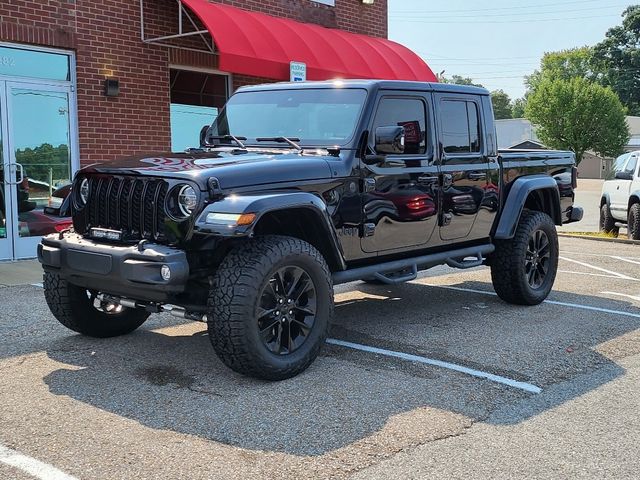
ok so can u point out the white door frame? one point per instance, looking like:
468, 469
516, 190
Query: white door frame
13, 247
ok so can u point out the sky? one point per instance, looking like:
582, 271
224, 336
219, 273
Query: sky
498, 42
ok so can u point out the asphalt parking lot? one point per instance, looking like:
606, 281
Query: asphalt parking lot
433, 379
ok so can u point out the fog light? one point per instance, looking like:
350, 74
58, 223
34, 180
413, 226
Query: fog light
165, 271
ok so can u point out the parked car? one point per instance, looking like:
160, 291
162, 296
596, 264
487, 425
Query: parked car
620, 201
297, 188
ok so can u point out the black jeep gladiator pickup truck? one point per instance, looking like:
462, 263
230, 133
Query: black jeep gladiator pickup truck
296, 188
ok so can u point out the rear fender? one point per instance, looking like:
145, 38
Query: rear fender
515, 203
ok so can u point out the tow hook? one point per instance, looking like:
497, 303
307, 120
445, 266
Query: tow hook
173, 310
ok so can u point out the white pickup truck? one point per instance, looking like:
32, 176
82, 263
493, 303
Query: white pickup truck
620, 201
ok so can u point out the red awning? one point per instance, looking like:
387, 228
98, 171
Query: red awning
263, 46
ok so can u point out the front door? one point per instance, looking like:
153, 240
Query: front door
400, 200
622, 189
37, 152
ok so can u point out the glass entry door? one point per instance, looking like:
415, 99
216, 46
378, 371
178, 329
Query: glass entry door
37, 162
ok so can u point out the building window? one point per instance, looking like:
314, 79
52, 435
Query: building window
196, 99
331, 3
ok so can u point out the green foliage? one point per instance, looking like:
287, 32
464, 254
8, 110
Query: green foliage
501, 105
564, 65
459, 80
39, 161
518, 107
618, 56
578, 115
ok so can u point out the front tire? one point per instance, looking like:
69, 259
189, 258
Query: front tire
270, 307
524, 268
607, 222
77, 309
633, 225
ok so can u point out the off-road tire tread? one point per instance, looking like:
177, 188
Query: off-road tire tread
607, 222
634, 222
231, 299
507, 282
70, 306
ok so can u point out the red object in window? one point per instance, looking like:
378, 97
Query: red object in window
261, 45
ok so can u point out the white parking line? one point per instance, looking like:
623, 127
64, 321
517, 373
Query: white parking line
616, 294
39, 285
551, 302
527, 387
619, 275
600, 255
627, 260
33, 467
589, 274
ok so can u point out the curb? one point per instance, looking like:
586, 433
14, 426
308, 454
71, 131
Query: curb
600, 239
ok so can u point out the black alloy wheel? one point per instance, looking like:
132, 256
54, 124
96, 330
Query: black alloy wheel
287, 310
537, 259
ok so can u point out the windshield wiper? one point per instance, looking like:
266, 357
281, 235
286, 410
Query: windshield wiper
290, 141
238, 140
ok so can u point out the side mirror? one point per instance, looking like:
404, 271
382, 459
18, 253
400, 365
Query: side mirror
203, 135
390, 140
624, 176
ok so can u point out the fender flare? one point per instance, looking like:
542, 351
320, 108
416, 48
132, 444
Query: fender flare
260, 204
636, 194
607, 198
516, 199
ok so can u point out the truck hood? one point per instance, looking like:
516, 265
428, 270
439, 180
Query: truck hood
233, 168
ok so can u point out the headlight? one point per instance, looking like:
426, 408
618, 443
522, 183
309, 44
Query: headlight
83, 193
182, 202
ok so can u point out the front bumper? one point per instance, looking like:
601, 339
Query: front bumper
127, 271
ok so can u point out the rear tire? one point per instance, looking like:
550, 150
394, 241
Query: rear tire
270, 307
607, 222
75, 308
524, 268
633, 225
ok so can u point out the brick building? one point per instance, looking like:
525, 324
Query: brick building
83, 81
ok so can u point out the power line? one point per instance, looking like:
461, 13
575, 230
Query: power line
520, 14
465, 10
486, 22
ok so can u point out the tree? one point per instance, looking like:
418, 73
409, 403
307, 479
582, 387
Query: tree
501, 105
619, 58
518, 107
578, 115
460, 80
565, 65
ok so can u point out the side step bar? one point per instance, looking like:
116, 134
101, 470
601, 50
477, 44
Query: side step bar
455, 258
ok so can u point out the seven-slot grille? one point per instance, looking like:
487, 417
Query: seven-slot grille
133, 205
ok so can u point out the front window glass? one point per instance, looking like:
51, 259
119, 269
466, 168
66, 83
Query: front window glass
318, 117
631, 165
618, 165
409, 113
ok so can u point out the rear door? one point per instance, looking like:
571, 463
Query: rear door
465, 168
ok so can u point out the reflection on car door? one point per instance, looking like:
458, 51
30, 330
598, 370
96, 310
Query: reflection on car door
465, 168
400, 199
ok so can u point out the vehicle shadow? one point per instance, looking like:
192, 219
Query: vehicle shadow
171, 379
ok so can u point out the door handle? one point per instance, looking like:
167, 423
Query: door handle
13, 173
447, 180
427, 180
477, 176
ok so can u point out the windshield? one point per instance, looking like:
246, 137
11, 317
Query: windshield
317, 117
